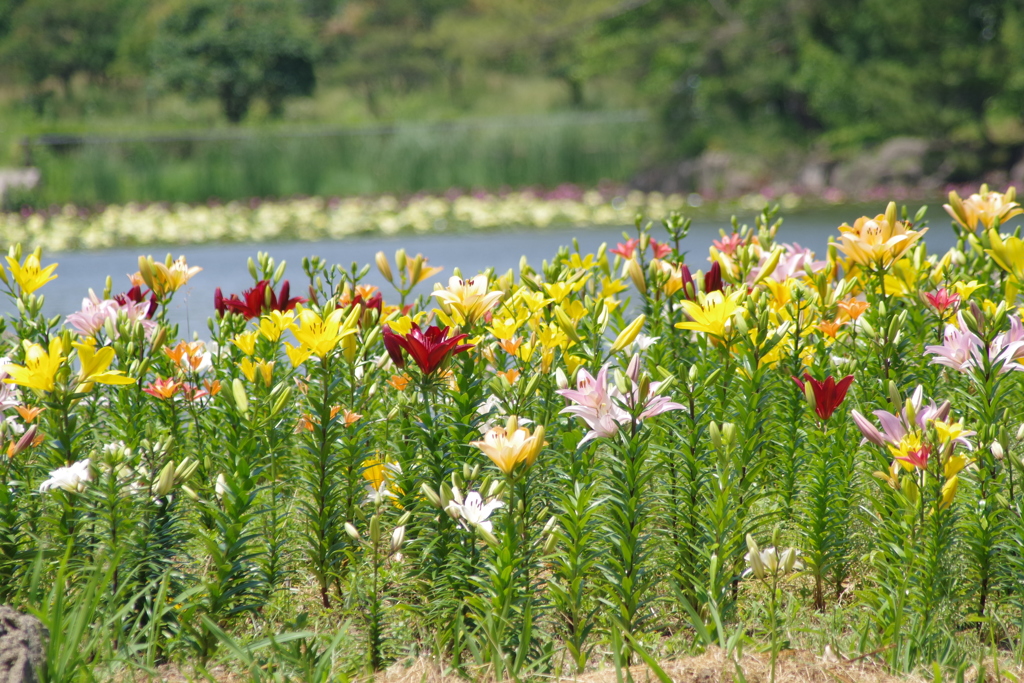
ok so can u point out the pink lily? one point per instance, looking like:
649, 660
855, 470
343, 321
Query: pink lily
896, 426
600, 405
595, 404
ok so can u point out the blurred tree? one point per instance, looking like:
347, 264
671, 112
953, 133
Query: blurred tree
383, 45
60, 38
235, 50
6, 13
845, 71
528, 36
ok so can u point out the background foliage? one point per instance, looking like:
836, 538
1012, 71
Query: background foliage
721, 72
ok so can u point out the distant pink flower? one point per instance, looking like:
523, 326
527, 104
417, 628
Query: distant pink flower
95, 312
728, 244
792, 263
963, 350
1009, 346
626, 250
917, 458
660, 249
9, 396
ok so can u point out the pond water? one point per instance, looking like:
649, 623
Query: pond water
224, 265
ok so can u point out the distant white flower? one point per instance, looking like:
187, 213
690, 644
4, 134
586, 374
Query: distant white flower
71, 479
644, 342
473, 511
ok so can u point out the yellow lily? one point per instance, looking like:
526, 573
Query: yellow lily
166, 278
297, 354
534, 300
989, 209
782, 292
1008, 254
246, 342
712, 313
30, 275
276, 323
321, 335
575, 262
948, 492
510, 445
880, 241
40, 367
468, 300
966, 289
902, 279
505, 328
558, 290
95, 363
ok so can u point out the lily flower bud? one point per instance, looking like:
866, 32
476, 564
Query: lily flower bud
562, 382
487, 536
715, 434
374, 529
238, 393
911, 411
24, 442
894, 395
351, 531
628, 334
431, 495
788, 560
549, 544
384, 267
446, 494
567, 325
166, 481
728, 433
997, 450
397, 538
633, 369
753, 558
636, 274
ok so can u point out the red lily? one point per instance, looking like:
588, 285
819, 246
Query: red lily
136, 295
942, 299
256, 301
375, 302
430, 350
689, 287
713, 279
828, 395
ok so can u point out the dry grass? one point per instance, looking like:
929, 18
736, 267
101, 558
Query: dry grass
794, 666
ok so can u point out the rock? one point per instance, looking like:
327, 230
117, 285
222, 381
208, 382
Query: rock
20, 178
1017, 174
899, 161
22, 646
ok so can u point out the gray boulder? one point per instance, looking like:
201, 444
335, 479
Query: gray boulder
22, 646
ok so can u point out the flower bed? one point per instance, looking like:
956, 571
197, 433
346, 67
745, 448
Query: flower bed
604, 462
